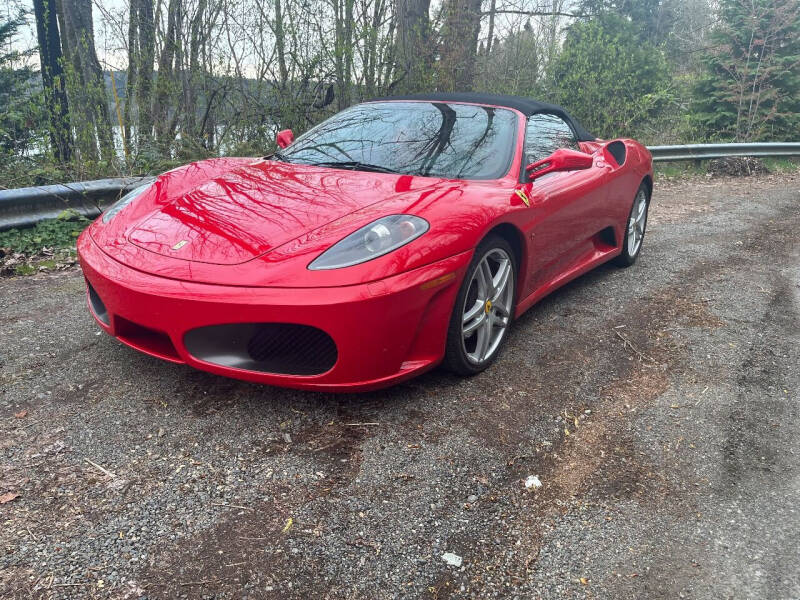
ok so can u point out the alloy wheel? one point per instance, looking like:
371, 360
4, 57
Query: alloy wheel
487, 307
637, 222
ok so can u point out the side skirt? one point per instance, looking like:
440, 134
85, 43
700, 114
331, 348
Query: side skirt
600, 252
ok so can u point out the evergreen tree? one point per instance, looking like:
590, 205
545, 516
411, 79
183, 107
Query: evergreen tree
652, 19
751, 86
19, 102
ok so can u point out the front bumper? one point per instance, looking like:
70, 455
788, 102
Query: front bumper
385, 331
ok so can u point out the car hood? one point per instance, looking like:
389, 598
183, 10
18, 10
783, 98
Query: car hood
251, 209
254, 222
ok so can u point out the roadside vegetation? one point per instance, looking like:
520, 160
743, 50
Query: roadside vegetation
734, 166
49, 245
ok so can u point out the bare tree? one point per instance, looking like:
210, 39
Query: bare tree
50, 59
88, 82
164, 112
415, 52
343, 49
459, 46
139, 86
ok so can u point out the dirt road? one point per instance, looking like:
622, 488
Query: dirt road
657, 405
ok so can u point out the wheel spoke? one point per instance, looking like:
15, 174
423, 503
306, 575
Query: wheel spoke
485, 279
484, 339
500, 280
474, 325
640, 211
473, 312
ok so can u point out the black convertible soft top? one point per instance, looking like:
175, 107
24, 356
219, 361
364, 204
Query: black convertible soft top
524, 105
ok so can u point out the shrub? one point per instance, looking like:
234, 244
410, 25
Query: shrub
609, 80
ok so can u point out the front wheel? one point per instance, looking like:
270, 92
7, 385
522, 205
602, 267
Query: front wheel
484, 308
634, 232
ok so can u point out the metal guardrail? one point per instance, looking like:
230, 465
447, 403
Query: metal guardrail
24, 207
708, 151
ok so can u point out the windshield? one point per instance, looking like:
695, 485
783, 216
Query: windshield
453, 141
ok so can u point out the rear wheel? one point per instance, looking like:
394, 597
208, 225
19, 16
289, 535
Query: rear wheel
484, 308
634, 231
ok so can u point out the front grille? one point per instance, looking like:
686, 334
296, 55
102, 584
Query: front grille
280, 348
292, 348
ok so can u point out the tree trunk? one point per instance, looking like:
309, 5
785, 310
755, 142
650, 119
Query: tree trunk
165, 87
462, 22
88, 75
130, 81
55, 92
372, 25
343, 50
414, 54
490, 36
192, 82
144, 67
280, 45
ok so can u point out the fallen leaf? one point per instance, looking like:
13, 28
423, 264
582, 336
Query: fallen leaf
288, 525
8, 497
584, 581
21, 414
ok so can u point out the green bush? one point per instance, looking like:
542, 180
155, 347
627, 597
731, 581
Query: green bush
609, 79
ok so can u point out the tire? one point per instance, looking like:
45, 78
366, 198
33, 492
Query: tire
637, 221
491, 310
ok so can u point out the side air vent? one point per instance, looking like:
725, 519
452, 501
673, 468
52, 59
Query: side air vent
98, 308
145, 339
618, 150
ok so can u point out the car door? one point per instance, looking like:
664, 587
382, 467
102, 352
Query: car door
563, 204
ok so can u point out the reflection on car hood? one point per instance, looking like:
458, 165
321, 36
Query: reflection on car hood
249, 210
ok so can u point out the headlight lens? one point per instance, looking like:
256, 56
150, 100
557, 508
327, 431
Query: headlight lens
112, 211
376, 239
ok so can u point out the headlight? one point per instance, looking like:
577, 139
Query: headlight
112, 211
374, 240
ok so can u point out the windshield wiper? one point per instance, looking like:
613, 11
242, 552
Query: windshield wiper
355, 165
280, 157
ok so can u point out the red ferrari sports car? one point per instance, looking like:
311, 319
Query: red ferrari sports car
396, 235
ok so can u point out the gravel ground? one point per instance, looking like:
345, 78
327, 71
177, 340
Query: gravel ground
657, 405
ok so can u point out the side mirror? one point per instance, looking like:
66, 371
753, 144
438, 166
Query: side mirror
562, 159
284, 138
